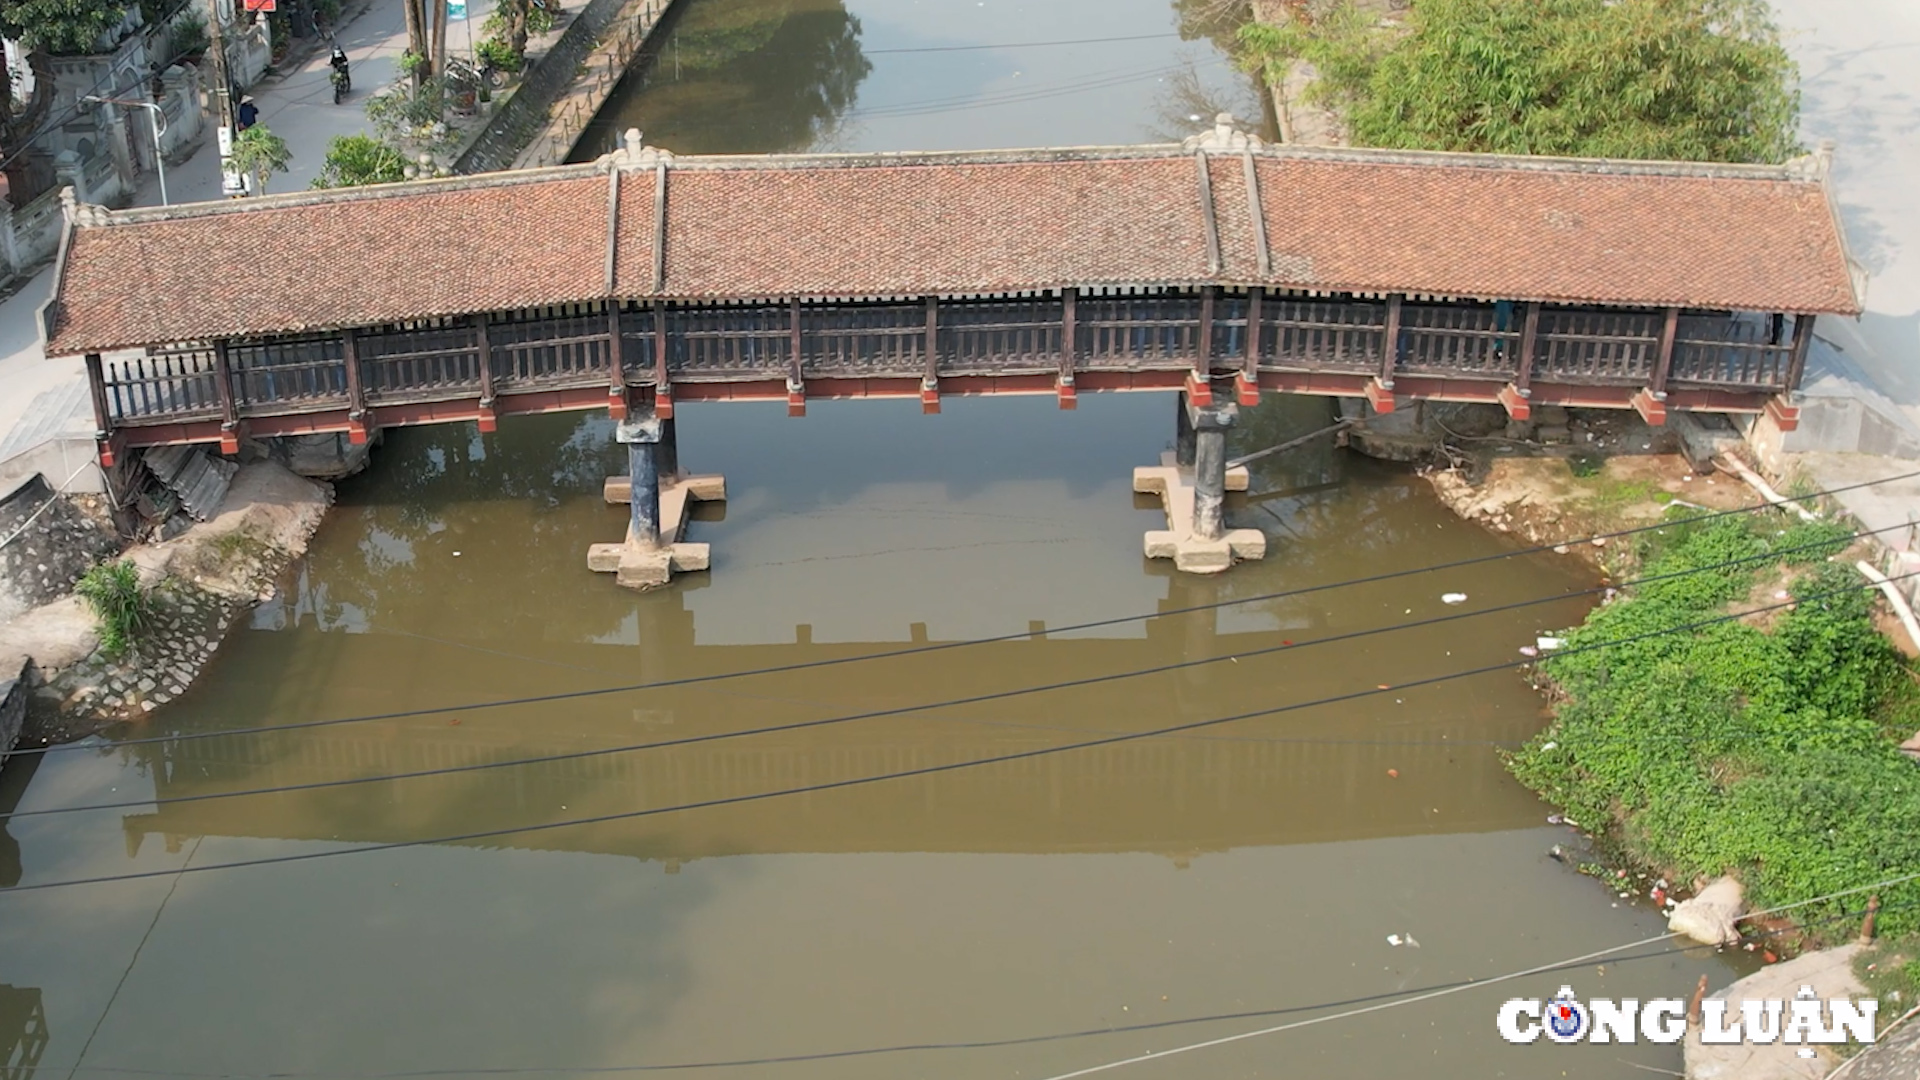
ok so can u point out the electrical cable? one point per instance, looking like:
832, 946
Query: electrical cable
1010, 96
1223, 1040
977, 699
1019, 45
927, 770
973, 1044
917, 650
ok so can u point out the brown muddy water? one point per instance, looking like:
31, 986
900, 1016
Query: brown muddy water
1016, 919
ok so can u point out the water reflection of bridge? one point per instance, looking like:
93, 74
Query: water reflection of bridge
1313, 776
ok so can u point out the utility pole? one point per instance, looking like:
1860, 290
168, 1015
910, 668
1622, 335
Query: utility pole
223, 98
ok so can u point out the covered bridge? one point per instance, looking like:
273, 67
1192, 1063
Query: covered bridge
645, 278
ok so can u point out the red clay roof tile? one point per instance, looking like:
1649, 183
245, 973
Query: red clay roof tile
758, 228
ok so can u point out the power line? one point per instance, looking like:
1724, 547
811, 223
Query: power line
977, 699
1019, 45
917, 650
928, 770
970, 1044
1014, 96
1443, 992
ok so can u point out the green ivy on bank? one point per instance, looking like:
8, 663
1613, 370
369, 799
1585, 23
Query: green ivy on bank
1766, 747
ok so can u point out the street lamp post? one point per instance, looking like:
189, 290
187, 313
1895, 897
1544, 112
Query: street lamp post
157, 118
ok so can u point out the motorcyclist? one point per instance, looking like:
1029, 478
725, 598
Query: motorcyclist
339, 62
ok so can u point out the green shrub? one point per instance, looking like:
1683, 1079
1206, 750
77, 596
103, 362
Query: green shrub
1766, 750
357, 160
119, 602
501, 55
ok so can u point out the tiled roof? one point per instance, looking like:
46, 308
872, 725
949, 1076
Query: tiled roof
896, 225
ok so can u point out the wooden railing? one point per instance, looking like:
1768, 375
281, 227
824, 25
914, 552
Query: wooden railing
570, 346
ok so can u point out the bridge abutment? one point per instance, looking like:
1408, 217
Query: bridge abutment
1192, 481
658, 499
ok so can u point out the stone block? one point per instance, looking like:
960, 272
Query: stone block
1193, 556
686, 558
643, 569
604, 558
1247, 543
1161, 544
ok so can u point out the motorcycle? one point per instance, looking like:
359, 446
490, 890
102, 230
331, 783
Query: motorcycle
342, 82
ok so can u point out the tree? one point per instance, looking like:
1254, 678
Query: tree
513, 21
259, 152
358, 160
1691, 80
52, 28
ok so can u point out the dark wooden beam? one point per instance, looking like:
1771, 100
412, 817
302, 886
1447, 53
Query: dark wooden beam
796, 377
229, 409
1529, 344
616, 362
662, 381
1247, 386
1663, 362
930, 382
97, 390
483, 345
1390, 340
1802, 341
1203, 361
356, 391
1069, 348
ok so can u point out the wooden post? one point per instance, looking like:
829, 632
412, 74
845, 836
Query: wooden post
616, 361
1663, 364
1517, 395
1247, 389
1866, 927
1802, 341
1200, 379
1380, 390
1699, 995
483, 344
229, 411
102, 416
796, 380
930, 382
1069, 347
1390, 342
356, 392
662, 382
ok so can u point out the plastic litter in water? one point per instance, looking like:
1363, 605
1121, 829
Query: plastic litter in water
1453, 598
1528, 650
1549, 642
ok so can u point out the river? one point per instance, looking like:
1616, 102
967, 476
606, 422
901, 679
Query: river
1019, 918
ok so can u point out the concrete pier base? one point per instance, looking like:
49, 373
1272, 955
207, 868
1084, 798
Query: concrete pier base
1190, 552
652, 551
640, 565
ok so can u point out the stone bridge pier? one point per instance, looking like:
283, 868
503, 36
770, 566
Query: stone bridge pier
1192, 481
658, 497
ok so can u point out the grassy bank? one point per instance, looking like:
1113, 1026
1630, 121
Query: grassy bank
1764, 746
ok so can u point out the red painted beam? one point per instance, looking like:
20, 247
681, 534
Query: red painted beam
581, 399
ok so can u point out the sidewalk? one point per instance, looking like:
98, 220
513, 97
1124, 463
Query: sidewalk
37, 396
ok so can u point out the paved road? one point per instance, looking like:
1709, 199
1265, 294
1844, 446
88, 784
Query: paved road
1860, 71
298, 106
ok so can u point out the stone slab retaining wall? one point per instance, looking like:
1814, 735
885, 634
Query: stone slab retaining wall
46, 543
523, 115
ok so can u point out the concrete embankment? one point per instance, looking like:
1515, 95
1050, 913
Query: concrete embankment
574, 74
199, 583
